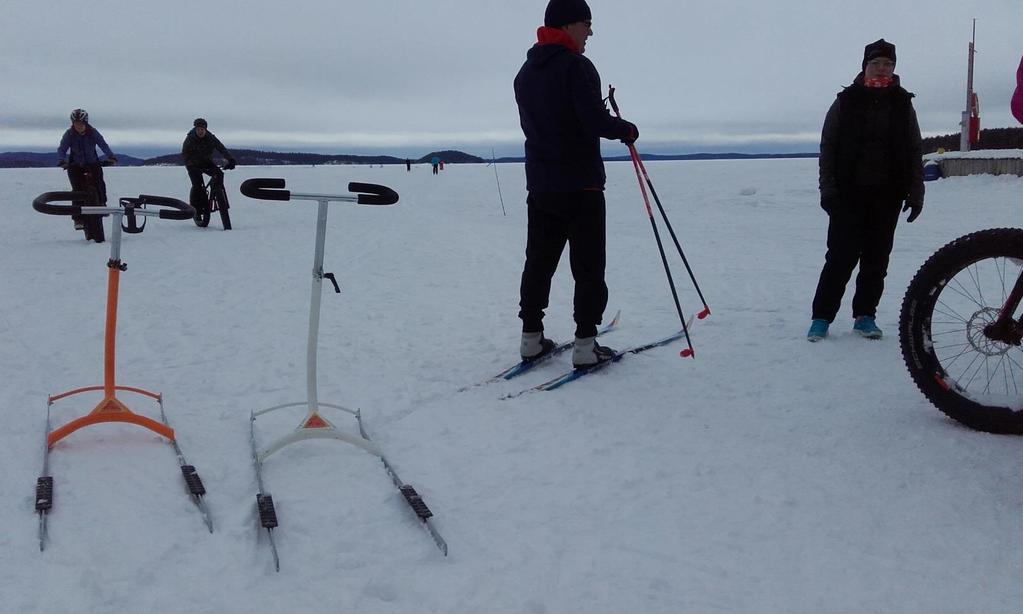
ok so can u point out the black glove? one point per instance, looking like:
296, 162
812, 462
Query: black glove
914, 209
229, 165
111, 160
62, 164
632, 133
830, 201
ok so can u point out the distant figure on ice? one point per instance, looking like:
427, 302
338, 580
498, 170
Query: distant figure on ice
197, 152
563, 118
870, 163
435, 162
408, 165
76, 154
442, 165
1017, 97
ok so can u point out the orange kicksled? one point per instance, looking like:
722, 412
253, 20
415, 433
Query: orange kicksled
126, 218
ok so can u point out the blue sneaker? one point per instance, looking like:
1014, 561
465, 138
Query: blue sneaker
867, 328
818, 330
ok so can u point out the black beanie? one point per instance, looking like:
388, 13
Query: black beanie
878, 49
563, 12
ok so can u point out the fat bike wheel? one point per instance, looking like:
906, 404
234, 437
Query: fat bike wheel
201, 218
959, 291
225, 217
93, 227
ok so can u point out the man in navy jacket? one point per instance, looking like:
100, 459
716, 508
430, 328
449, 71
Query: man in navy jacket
563, 117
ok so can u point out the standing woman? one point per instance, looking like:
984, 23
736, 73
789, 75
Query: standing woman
870, 163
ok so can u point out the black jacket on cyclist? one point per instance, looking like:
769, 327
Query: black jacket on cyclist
199, 151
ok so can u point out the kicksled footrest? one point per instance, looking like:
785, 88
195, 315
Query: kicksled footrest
267, 513
192, 480
44, 493
416, 502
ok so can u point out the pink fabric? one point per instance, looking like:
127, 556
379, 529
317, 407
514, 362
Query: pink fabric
1017, 98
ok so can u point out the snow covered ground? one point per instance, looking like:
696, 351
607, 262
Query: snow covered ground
766, 475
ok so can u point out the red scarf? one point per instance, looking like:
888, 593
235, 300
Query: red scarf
877, 82
555, 36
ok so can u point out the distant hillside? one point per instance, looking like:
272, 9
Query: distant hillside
993, 138
697, 156
244, 157
252, 157
27, 159
449, 157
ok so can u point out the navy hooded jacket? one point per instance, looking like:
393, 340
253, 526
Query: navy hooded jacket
563, 118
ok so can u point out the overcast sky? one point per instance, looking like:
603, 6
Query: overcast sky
410, 76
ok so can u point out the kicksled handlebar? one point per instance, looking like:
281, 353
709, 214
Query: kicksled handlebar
171, 208
263, 188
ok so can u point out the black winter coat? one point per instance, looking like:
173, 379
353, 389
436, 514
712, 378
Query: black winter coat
563, 118
871, 142
199, 152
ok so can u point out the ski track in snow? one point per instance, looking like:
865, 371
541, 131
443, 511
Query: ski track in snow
766, 475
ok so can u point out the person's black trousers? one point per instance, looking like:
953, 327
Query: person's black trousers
861, 231
197, 196
576, 218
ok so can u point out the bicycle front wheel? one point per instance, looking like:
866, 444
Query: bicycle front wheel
225, 217
955, 295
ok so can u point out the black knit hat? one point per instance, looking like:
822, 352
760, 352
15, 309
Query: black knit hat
878, 49
563, 12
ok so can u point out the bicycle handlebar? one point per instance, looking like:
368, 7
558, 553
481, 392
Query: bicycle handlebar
272, 189
265, 189
373, 194
179, 210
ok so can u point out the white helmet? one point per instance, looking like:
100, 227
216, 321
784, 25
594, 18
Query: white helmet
80, 115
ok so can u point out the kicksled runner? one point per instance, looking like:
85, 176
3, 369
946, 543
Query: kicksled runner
314, 425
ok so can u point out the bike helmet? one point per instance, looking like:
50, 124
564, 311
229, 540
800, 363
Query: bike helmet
199, 122
80, 115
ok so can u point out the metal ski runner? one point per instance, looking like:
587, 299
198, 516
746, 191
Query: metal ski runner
314, 425
527, 365
575, 374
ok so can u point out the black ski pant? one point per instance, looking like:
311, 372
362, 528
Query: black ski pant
84, 176
861, 231
576, 218
197, 196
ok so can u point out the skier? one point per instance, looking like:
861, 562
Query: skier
81, 141
870, 163
563, 118
434, 162
408, 165
197, 152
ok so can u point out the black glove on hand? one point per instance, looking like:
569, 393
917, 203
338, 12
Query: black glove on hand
62, 164
632, 133
914, 208
229, 165
829, 201
111, 160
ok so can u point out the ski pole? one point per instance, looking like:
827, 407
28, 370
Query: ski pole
493, 160
688, 352
640, 168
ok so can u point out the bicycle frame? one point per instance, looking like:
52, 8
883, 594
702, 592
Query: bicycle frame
1006, 328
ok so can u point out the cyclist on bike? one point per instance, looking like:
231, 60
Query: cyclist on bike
197, 151
81, 141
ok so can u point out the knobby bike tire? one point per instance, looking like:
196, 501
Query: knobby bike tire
92, 225
225, 217
959, 290
202, 218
